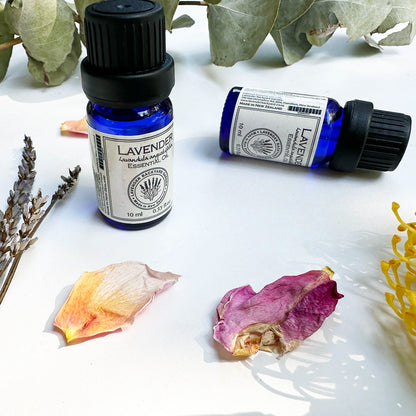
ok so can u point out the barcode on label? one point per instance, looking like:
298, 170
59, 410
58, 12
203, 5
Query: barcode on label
305, 110
99, 151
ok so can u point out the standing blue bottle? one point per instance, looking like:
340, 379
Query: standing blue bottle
312, 131
127, 77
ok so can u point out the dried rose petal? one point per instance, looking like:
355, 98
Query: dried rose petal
75, 126
279, 317
109, 299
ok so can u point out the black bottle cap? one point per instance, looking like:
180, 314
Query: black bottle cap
126, 65
370, 139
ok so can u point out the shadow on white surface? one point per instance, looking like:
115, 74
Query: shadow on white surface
20, 86
402, 346
23, 88
268, 55
209, 149
307, 374
339, 46
59, 301
336, 369
237, 414
384, 342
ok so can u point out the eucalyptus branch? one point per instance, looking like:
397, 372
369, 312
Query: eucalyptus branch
24, 214
11, 43
313, 25
77, 18
192, 3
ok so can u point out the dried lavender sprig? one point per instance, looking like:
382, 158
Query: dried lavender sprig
37, 203
26, 176
69, 182
32, 214
18, 197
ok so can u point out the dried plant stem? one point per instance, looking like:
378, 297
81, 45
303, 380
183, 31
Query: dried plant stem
9, 276
192, 3
11, 43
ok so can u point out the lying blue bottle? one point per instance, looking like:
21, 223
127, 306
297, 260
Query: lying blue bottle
312, 131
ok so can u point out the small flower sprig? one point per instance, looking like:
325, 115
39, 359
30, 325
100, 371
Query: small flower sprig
24, 214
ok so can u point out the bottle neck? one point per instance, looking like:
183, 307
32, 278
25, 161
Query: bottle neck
124, 114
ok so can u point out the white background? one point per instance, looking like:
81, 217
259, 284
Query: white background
235, 221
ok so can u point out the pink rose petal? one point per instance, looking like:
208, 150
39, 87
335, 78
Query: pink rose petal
279, 317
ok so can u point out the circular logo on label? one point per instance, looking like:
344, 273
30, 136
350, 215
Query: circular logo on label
148, 189
262, 144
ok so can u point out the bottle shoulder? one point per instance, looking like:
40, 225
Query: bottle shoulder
131, 121
333, 111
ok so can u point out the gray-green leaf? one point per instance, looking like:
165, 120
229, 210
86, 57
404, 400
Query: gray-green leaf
62, 73
5, 36
80, 6
403, 11
237, 28
183, 21
359, 17
46, 28
290, 11
292, 45
169, 8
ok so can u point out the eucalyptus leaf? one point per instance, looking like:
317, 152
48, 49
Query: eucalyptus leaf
5, 36
372, 42
80, 6
46, 28
359, 17
62, 73
290, 11
169, 8
292, 45
403, 11
72, 6
237, 28
183, 21
318, 37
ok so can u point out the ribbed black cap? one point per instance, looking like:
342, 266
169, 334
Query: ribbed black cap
126, 64
370, 139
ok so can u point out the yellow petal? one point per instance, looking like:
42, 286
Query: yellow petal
400, 273
109, 299
75, 126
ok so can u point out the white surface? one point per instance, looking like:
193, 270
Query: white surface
235, 221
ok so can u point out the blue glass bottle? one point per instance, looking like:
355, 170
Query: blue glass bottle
130, 122
356, 136
127, 77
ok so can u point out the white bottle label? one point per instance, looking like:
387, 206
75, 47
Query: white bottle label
133, 174
277, 126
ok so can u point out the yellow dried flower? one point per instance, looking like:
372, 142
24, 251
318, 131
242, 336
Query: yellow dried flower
403, 301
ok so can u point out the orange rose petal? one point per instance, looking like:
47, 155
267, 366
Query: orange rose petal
109, 299
75, 126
